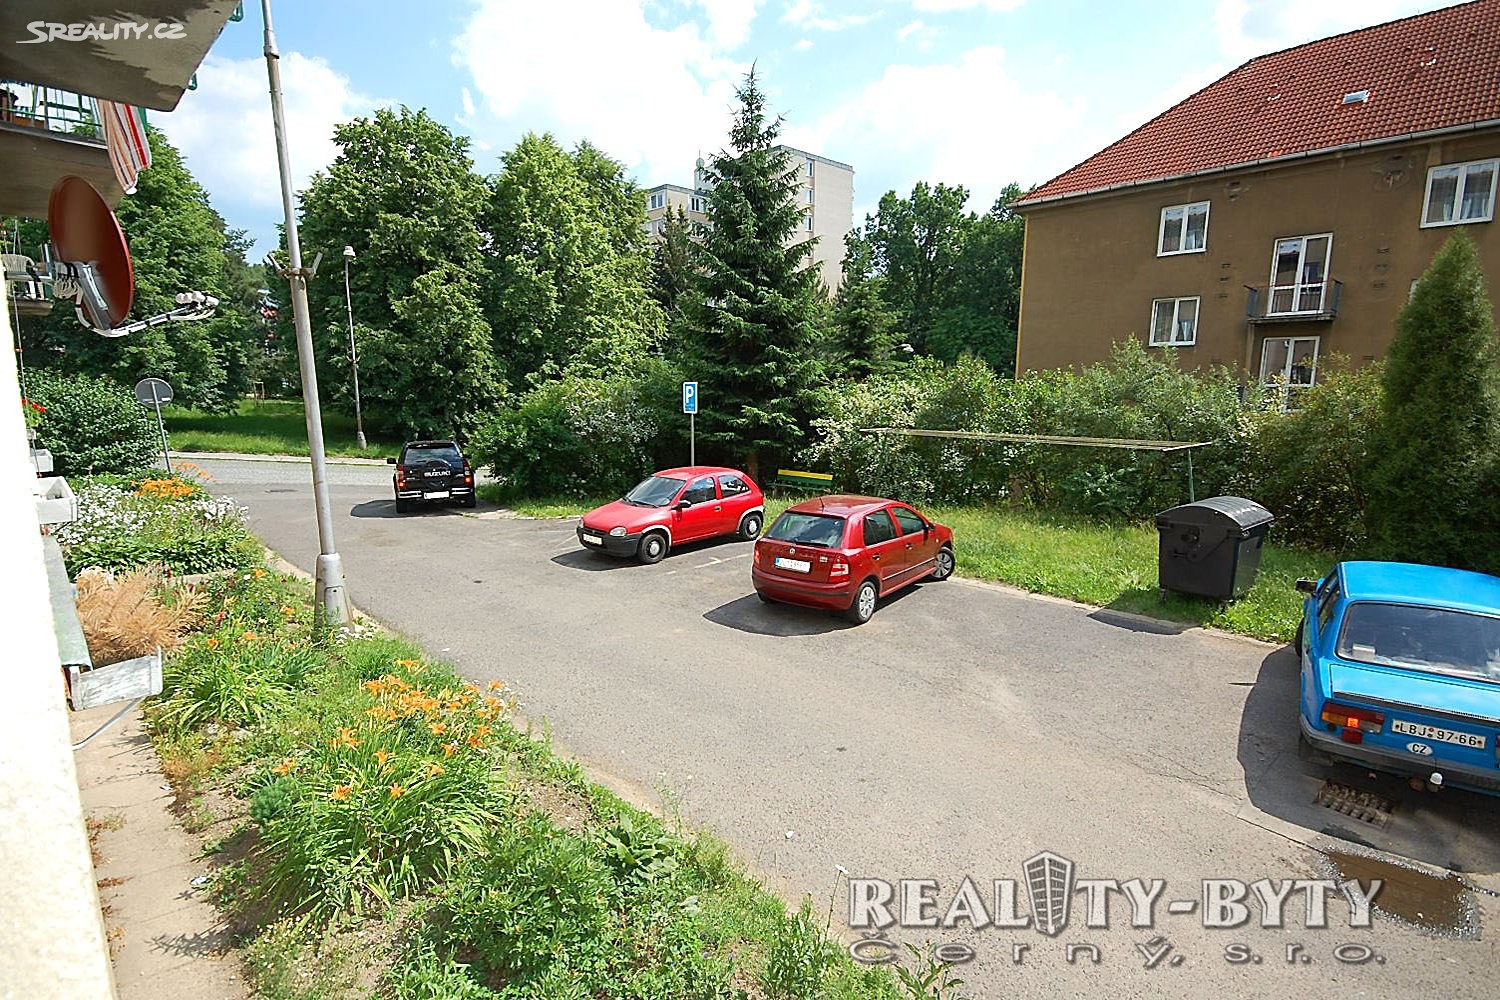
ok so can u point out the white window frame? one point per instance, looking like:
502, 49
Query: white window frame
1161, 229
1458, 193
1278, 382
656, 200
1175, 304
1300, 287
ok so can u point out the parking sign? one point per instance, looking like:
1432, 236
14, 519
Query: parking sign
690, 397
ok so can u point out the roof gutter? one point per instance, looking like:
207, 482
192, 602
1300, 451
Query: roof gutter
1025, 204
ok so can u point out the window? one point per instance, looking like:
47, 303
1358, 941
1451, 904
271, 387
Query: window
808, 529
697, 204
1460, 193
878, 528
1288, 365
809, 196
1184, 229
1443, 641
1299, 274
700, 490
732, 486
809, 168
809, 222
657, 201
1326, 605
1174, 322
910, 522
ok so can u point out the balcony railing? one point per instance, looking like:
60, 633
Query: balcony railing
1293, 303
29, 105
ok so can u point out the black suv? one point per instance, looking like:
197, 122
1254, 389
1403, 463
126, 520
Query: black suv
432, 470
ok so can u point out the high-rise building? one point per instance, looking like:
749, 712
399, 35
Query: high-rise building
825, 191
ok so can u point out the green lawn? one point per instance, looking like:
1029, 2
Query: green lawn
1108, 565
266, 427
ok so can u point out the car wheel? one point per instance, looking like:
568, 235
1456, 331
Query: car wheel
862, 608
653, 548
1301, 632
765, 598
403, 506
750, 527
944, 567
470, 501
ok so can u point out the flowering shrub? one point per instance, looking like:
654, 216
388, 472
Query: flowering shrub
157, 522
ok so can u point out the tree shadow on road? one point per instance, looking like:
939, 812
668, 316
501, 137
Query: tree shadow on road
1453, 829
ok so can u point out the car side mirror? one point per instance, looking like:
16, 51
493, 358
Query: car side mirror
1307, 586
682, 505
390, 461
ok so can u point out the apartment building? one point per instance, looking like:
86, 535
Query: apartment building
1280, 214
825, 191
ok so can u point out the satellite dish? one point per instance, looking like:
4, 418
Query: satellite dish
89, 245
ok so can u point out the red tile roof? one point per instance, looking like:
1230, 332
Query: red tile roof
1424, 73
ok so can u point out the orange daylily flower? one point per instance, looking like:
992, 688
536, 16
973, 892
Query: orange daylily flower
437, 728
211, 642
249, 636
434, 769
449, 749
497, 685
345, 738
259, 572
397, 791
381, 756
285, 767
341, 792
476, 742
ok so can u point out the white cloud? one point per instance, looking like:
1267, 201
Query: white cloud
809, 15
1248, 28
803, 44
946, 6
729, 20
225, 132
650, 96
907, 30
968, 122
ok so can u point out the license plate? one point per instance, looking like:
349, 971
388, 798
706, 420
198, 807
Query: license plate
795, 565
591, 540
437, 495
1474, 740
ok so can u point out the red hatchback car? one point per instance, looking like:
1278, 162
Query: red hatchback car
672, 507
844, 553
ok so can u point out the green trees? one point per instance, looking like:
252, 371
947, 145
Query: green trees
950, 278
178, 243
750, 330
91, 423
1432, 476
404, 194
570, 271
859, 341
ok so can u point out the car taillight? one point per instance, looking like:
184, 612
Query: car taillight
468, 472
400, 475
1355, 720
838, 568
755, 555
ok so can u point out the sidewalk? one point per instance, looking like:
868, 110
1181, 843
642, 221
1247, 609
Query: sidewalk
166, 936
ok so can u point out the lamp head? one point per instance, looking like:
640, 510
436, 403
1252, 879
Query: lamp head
348, 253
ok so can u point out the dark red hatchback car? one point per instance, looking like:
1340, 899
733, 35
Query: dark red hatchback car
844, 553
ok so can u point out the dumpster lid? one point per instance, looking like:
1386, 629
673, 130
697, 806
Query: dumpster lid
1243, 513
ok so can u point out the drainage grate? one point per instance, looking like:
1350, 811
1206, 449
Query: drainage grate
1365, 806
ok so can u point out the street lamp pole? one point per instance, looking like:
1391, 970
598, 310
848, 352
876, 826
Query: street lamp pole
333, 601
359, 419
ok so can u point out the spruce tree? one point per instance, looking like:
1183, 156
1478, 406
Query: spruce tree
751, 327
1433, 458
860, 342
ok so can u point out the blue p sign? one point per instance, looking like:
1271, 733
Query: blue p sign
690, 397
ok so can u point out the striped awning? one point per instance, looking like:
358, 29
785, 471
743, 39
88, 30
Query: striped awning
125, 136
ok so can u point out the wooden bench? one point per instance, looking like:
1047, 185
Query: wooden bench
807, 482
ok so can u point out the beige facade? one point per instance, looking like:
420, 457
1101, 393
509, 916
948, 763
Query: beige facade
825, 192
1268, 269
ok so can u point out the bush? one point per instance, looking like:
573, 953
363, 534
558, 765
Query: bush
91, 424
1134, 395
121, 526
581, 437
1307, 466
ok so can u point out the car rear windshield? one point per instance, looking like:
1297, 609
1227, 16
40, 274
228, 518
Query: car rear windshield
657, 491
1434, 640
821, 530
430, 452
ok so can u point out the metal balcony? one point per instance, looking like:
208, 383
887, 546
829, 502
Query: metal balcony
1294, 303
47, 133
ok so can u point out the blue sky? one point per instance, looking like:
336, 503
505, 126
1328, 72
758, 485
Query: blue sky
973, 92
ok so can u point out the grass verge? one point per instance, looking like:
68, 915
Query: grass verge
382, 827
266, 427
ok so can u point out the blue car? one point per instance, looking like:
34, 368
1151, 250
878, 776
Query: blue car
1401, 671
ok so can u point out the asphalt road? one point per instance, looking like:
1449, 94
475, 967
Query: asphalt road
962, 731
